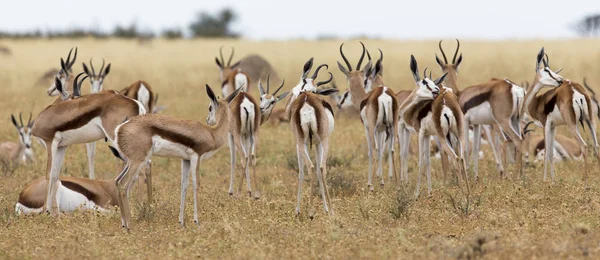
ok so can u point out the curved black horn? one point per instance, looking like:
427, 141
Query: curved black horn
326, 81
21, 118
314, 76
279, 88
69, 65
77, 85
221, 55
230, 57
425, 72
362, 56
547, 60
368, 55
442, 50
345, 59
29, 120
527, 126
92, 66
456, 52
268, 82
101, 68
69, 58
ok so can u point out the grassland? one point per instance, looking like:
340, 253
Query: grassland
513, 218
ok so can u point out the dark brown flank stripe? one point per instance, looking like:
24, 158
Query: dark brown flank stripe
328, 107
549, 106
476, 101
81, 190
174, 137
424, 110
80, 121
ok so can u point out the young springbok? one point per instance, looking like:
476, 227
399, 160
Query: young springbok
72, 194
430, 113
18, 153
75, 119
566, 103
139, 138
64, 75
312, 122
246, 116
231, 76
565, 148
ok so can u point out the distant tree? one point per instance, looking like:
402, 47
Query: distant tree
173, 33
129, 32
588, 25
212, 26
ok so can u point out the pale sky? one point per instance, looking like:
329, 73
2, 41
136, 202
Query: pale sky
282, 19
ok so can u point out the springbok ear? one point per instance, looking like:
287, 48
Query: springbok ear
218, 62
107, 70
261, 89
282, 96
458, 62
440, 79
236, 64
211, 94
367, 69
63, 66
58, 85
229, 98
414, 68
439, 62
307, 67
378, 68
85, 69
540, 59
327, 91
14, 121
342, 69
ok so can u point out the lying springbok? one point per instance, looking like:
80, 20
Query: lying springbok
142, 92
565, 148
139, 138
75, 119
64, 75
255, 66
21, 152
566, 103
247, 115
312, 122
496, 102
72, 194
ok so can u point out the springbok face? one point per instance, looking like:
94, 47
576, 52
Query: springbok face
375, 73
357, 76
345, 101
225, 69
65, 95
23, 130
267, 100
216, 103
96, 80
544, 74
427, 89
64, 74
450, 68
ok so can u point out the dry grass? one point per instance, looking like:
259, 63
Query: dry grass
515, 218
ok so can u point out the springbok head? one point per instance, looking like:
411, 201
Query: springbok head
267, 100
373, 74
64, 74
356, 77
427, 89
544, 75
225, 68
23, 130
215, 103
307, 83
450, 68
96, 80
64, 93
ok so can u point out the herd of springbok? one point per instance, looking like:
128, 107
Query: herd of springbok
441, 114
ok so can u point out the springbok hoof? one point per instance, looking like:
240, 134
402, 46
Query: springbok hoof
250, 194
231, 193
311, 216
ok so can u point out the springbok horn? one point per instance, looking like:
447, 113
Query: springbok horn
456, 52
442, 50
326, 81
345, 59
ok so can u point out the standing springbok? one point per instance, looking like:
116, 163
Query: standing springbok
138, 138
18, 153
72, 194
64, 75
74, 119
431, 113
96, 81
142, 92
255, 66
496, 102
232, 76
566, 103
312, 122
246, 116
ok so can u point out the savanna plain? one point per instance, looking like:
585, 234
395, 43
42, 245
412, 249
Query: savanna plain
516, 217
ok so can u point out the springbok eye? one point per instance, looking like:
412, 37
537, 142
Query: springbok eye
210, 109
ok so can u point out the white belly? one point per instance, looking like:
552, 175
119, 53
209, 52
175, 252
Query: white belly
90, 132
69, 201
166, 148
481, 115
555, 116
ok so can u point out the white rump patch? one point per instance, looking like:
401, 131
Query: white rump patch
247, 122
308, 119
143, 95
385, 107
241, 80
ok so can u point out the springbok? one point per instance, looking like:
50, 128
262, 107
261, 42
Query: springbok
232, 76
72, 194
64, 75
139, 138
244, 125
592, 93
21, 152
74, 119
565, 148
255, 66
430, 113
312, 122
566, 103
142, 92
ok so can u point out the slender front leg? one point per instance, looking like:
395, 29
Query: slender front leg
550, 153
406, 147
324, 154
421, 161
492, 142
300, 176
149, 181
91, 153
193, 166
57, 162
380, 139
427, 157
582, 145
548, 145
476, 142
255, 182
466, 125
185, 173
232, 156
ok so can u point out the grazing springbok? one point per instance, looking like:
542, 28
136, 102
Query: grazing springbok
496, 102
566, 103
142, 92
312, 122
75, 119
246, 117
72, 194
64, 75
21, 152
255, 66
430, 113
139, 138
565, 148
